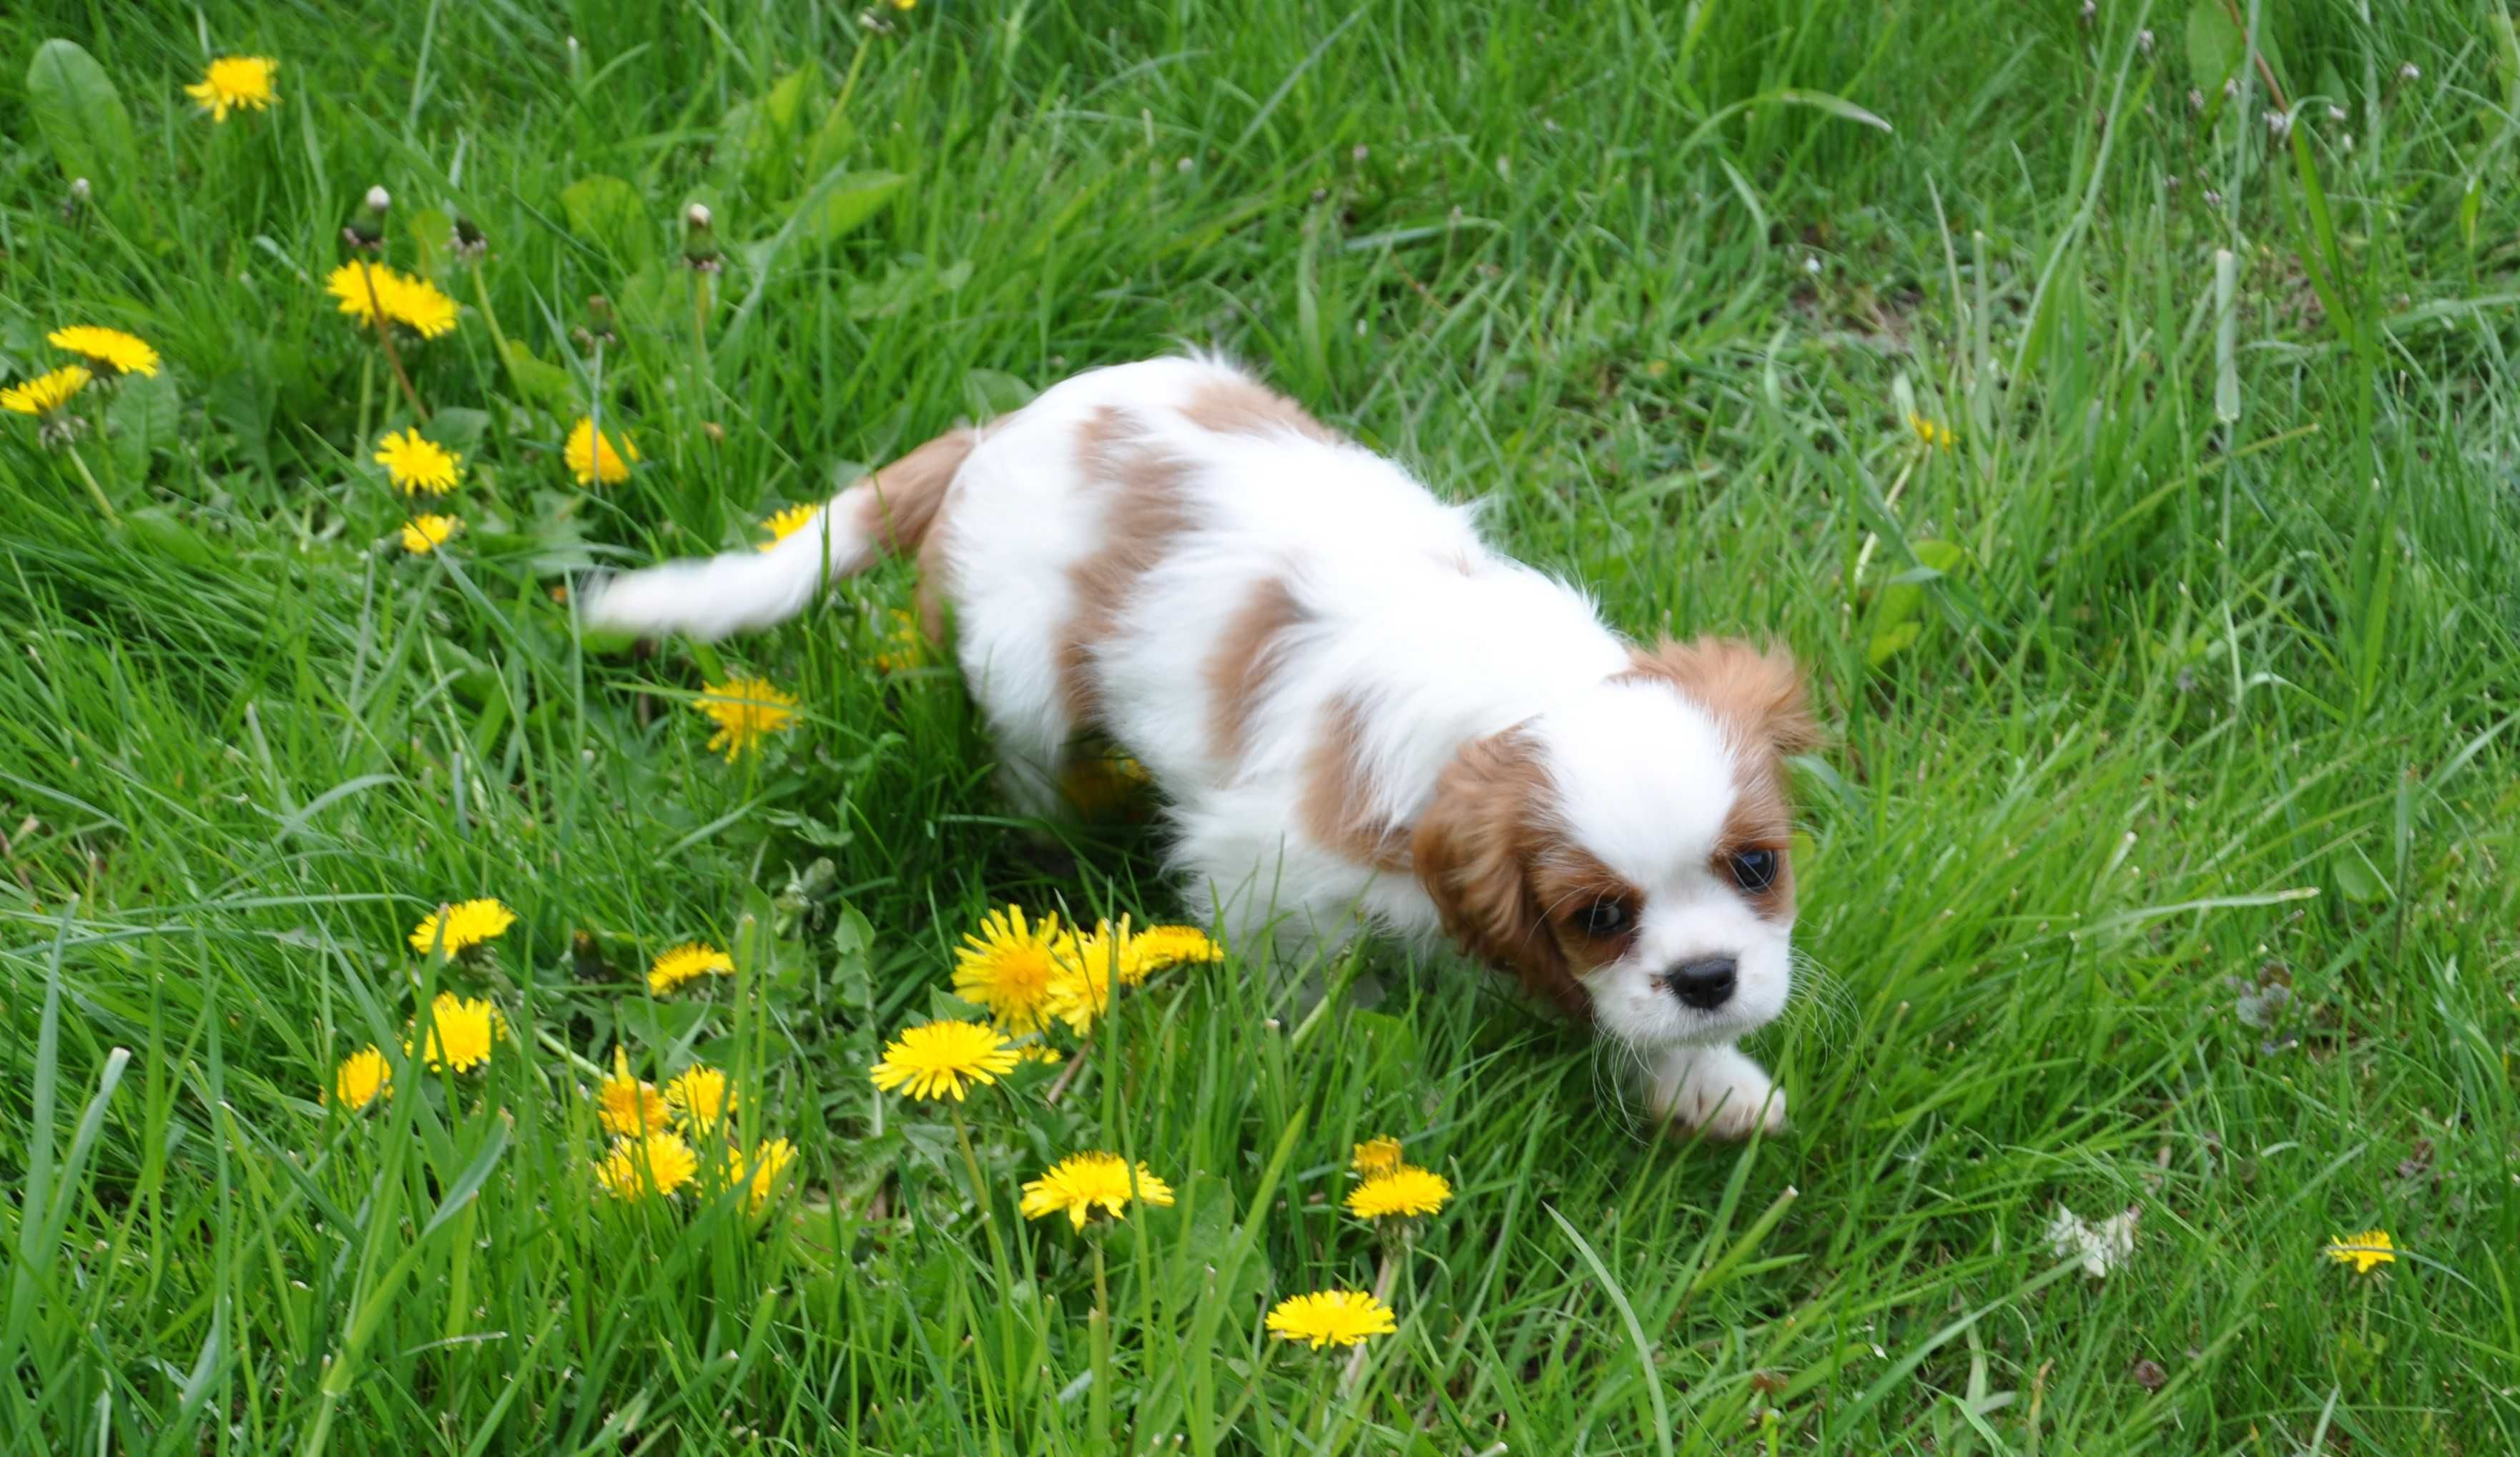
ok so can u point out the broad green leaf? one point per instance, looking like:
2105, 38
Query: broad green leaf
143, 419
2215, 46
161, 531
609, 213
542, 382
2356, 880
762, 133
993, 392
431, 233
1887, 646
1905, 595
847, 201
82, 119
458, 428
830, 140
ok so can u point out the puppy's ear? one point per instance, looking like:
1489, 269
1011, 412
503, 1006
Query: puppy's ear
1756, 692
1471, 850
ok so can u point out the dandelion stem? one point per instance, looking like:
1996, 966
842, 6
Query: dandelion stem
1059, 1085
498, 339
384, 336
1098, 1330
997, 1245
96, 493
1383, 1280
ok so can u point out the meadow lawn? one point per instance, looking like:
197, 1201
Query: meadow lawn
2156, 877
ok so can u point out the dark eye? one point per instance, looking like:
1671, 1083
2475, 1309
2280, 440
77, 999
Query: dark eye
1606, 918
1754, 870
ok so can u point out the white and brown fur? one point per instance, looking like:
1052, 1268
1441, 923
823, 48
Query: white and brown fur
1352, 706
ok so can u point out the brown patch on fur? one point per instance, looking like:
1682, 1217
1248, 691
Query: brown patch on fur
1238, 407
1143, 508
1756, 696
1476, 851
1245, 659
1336, 789
905, 496
1567, 883
903, 512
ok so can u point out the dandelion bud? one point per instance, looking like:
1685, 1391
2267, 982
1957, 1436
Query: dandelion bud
700, 245
470, 243
599, 321
365, 233
2279, 125
2409, 72
715, 432
80, 189
2143, 41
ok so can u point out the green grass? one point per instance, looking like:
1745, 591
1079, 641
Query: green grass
2133, 709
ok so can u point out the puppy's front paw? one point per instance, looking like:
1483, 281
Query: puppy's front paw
1720, 1091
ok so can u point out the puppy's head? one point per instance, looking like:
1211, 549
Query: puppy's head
1626, 853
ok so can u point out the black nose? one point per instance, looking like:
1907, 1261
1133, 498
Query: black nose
1704, 984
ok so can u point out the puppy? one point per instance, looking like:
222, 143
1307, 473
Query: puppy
1350, 704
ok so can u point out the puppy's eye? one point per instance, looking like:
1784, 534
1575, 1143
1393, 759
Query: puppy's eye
1606, 918
1754, 870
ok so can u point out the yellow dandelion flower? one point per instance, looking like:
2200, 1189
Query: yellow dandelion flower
360, 288
906, 647
656, 1163
461, 1033
418, 304
236, 83
468, 924
1080, 995
686, 963
2365, 1251
362, 1078
594, 455
1042, 1053
112, 349
627, 1105
1403, 1193
1376, 1156
418, 464
45, 393
746, 711
936, 1058
701, 1097
1332, 1317
1934, 435
1007, 966
1160, 946
1080, 1183
768, 1161
424, 533
785, 523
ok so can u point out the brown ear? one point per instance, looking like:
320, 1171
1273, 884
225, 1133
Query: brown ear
1755, 693
1471, 852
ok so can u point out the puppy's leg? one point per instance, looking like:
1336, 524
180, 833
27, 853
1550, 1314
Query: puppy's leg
1718, 1090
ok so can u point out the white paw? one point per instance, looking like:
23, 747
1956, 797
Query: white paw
1720, 1091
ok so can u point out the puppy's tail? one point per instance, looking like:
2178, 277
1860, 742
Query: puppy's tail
710, 596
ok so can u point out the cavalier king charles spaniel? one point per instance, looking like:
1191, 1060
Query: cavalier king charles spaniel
1353, 707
